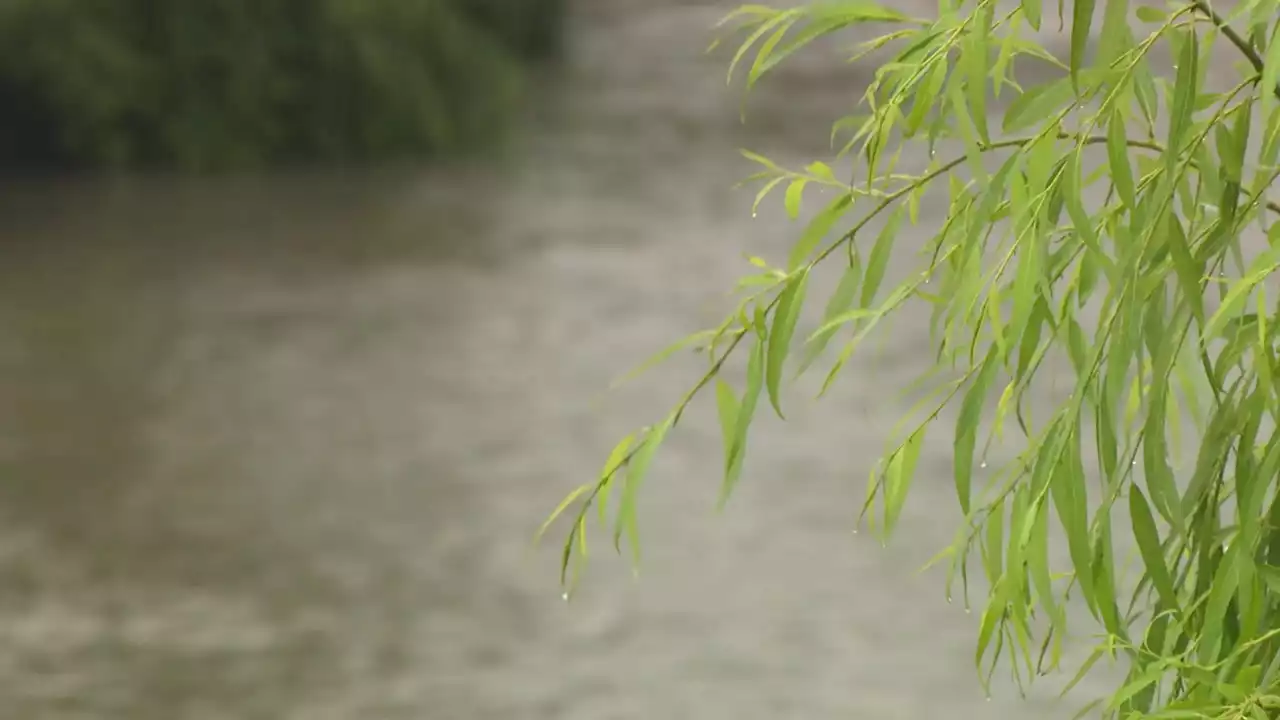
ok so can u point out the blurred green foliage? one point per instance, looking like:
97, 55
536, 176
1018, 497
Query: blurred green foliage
204, 85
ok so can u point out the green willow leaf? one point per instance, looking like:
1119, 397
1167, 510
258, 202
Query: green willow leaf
1270, 74
992, 617
821, 23
1147, 13
794, 197
1118, 158
925, 95
1190, 272
1115, 39
1148, 537
878, 261
564, 505
727, 407
766, 51
746, 412
1085, 667
840, 301
848, 12
1081, 22
1031, 10
765, 28
1160, 480
1037, 103
1148, 678
1082, 223
1184, 93
1144, 86
1270, 575
1222, 591
1104, 575
817, 230
844, 318
638, 468
898, 477
967, 429
977, 58
968, 132
764, 192
1070, 500
993, 545
1038, 567
613, 468
1262, 267
783, 329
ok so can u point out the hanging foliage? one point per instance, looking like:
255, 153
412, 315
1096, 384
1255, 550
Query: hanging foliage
1098, 215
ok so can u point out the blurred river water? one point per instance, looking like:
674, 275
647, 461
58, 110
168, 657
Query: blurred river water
274, 448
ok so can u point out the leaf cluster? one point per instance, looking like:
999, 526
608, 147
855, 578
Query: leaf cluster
1100, 216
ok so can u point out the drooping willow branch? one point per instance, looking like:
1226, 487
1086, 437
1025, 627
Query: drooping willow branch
1244, 46
589, 494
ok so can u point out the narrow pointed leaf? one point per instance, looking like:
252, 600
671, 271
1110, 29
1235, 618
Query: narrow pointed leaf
879, 258
781, 332
1145, 532
817, 230
1081, 22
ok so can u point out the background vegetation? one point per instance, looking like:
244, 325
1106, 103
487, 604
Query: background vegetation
216, 84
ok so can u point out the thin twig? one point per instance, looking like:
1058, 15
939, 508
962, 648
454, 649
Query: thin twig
1246, 48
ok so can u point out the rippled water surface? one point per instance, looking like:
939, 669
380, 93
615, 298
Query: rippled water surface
275, 448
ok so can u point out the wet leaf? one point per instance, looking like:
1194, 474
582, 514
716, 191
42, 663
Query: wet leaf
1118, 157
795, 194
1081, 22
1270, 75
746, 412
790, 302
1031, 10
613, 468
564, 505
967, 429
839, 303
1184, 94
727, 407
1037, 103
817, 230
638, 469
1144, 530
1147, 13
879, 259
898, 477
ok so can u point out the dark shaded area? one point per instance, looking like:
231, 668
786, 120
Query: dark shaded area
208, 85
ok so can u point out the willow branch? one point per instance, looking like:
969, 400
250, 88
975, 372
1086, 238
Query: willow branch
1244, 46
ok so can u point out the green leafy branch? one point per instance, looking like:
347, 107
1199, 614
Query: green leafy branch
1018, 256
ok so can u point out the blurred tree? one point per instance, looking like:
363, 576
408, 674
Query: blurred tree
217, 84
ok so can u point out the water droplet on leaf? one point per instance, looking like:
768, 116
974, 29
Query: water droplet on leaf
564, 597
984, 464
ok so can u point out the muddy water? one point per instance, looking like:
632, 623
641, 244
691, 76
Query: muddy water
274, 448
